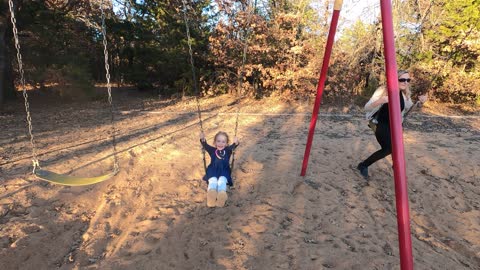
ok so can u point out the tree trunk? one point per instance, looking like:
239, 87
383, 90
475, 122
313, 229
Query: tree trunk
3, 47
6, 80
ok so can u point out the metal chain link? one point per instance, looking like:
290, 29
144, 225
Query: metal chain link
190, 52
245, 47
109, 89
197, 90
244, 59
22, 82
242, 71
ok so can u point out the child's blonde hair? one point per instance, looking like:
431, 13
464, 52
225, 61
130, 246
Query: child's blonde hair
218, 134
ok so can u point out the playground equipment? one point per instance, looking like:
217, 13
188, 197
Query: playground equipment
398, 156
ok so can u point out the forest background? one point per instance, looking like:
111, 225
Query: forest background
284, 40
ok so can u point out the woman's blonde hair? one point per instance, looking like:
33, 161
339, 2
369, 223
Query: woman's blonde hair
221, 133
408, 93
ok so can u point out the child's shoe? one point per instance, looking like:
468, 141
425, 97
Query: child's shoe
211, 197
221, 198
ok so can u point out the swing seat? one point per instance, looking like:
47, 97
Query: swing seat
68, 180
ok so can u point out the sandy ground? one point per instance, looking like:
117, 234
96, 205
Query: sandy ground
153, 214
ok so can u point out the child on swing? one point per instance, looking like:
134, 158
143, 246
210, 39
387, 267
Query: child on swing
218, 173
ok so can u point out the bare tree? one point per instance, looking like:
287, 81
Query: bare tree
6, 80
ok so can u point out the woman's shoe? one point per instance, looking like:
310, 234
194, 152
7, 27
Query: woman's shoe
363, 170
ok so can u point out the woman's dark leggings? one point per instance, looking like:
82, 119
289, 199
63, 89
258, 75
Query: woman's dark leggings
383, 137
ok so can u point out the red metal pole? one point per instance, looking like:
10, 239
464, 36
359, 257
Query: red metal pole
321, 82
398, 156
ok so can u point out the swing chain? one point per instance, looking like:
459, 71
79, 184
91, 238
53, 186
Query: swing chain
35, 165
23, 85
244, 59
242, 71
109, 89
190, 52
192, 64
245, 48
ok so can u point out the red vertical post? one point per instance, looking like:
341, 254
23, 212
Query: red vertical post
321, 82
398, 156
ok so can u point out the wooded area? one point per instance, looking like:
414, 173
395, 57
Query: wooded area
284, 41
256, 64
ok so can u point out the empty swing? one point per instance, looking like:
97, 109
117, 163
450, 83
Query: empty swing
47, 175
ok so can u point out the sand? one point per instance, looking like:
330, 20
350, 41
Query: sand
153, 214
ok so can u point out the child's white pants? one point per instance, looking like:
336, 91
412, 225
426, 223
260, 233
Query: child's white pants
218, 184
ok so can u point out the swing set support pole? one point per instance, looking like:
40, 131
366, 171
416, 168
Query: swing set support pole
321, 82
398, 155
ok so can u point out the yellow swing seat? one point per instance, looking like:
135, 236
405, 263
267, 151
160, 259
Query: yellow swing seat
67, 180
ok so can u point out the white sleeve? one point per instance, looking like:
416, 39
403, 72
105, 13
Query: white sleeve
371, 110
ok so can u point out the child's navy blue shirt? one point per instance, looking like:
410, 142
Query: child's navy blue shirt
220, 162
